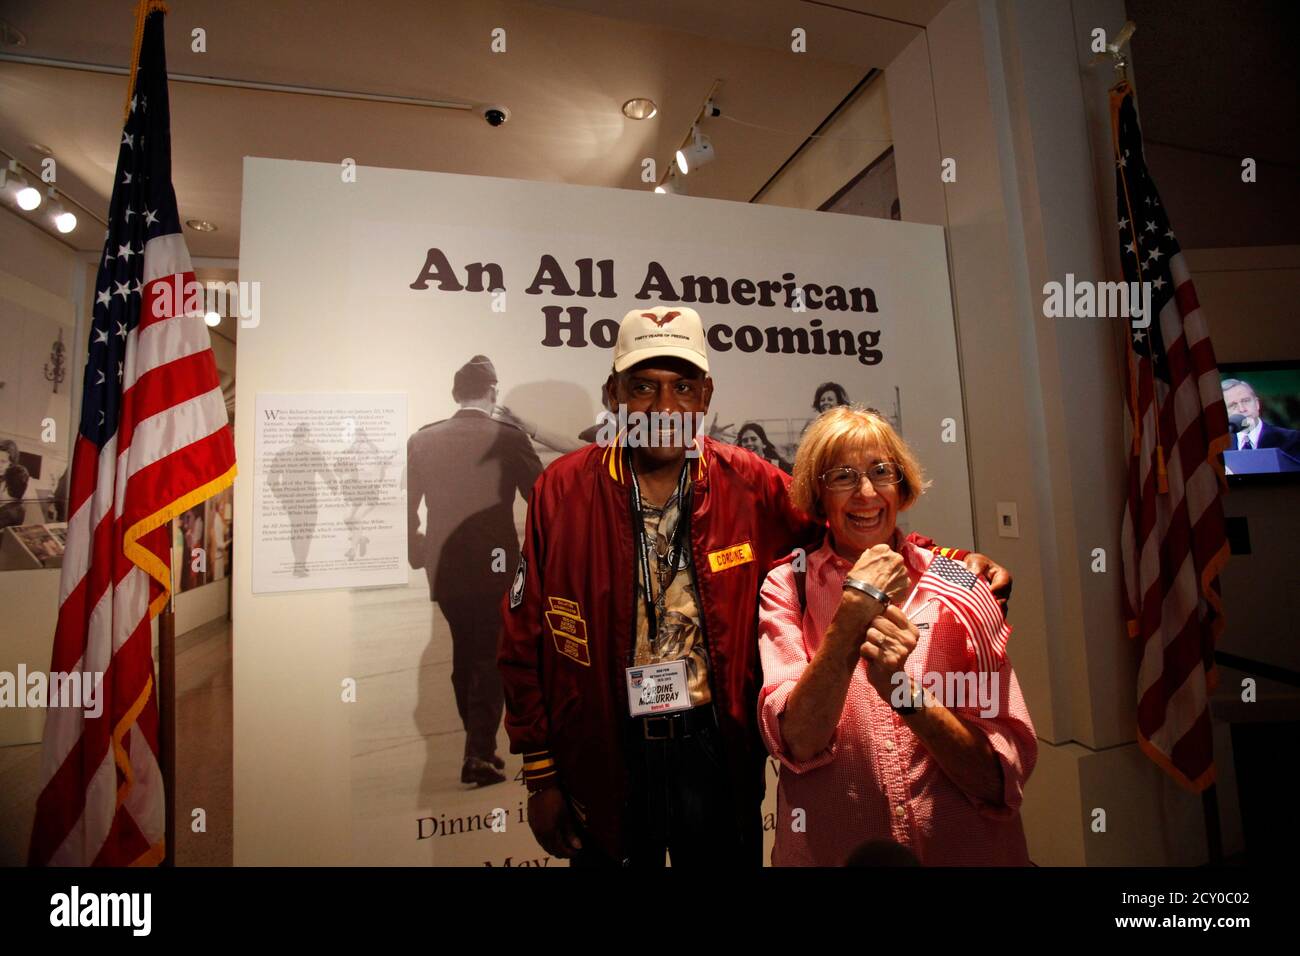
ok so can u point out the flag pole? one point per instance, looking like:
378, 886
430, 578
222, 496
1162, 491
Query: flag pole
167, 617
167, 722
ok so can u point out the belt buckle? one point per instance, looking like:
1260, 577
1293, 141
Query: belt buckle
646, 724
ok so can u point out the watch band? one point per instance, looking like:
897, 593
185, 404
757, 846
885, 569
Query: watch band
869, 590
917, 701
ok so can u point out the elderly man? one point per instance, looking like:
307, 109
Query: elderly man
629, 652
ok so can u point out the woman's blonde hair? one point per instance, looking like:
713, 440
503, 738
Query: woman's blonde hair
839, 432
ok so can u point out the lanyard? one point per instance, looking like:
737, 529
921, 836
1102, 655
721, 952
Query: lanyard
654, 606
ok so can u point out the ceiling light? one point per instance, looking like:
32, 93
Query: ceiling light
640, 108
64, 221
213, 319
201, 225
671, 186
28, 198
696, 153
40, 148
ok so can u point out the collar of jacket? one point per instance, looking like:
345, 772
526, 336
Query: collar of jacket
613, 463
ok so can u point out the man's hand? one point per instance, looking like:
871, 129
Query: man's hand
998, 577
415, 550
502, 414
551, 821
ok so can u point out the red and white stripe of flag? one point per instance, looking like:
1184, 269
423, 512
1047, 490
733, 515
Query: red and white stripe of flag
1174, 542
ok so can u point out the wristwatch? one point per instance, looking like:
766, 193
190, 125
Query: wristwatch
916, 702
869, 590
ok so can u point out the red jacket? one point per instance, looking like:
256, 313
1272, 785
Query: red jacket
569, 620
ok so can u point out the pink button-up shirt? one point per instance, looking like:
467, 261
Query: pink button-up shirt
876, 780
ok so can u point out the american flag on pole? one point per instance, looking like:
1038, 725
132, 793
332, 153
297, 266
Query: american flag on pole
153, 441
971, 601
1173, 538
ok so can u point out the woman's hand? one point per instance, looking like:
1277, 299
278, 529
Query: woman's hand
891, 638
883, 568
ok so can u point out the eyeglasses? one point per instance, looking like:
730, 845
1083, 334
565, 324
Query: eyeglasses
882, 474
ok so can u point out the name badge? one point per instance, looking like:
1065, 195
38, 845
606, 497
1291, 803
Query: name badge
657, 689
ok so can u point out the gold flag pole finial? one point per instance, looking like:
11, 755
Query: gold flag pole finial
1116, 54
142, 10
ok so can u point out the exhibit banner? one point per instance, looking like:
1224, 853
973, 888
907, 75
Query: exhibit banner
368, 720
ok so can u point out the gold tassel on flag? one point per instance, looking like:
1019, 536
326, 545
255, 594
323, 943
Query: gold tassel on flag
142, 11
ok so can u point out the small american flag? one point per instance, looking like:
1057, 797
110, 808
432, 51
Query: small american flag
153, 441
971, 601
1174, 541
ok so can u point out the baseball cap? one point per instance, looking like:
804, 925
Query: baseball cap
662, 331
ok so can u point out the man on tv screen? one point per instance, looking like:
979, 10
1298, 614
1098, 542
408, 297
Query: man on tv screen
1250, 431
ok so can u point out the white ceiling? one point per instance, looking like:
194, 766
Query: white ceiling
568, 67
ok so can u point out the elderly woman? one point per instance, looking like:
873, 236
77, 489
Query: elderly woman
850, 648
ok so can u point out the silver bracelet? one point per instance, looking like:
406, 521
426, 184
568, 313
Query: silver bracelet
872, 592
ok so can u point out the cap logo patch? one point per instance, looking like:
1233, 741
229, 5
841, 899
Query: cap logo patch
661, 322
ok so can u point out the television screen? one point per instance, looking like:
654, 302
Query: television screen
1263, 404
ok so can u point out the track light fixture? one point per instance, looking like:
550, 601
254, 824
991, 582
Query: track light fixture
27, 197
696, 153
64, 220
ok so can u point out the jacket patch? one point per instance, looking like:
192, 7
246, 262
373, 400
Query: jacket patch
731, 557
568, 630
517, 589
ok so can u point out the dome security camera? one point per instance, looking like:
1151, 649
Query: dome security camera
495, 115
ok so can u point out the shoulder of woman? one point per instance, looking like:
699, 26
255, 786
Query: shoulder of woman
780, 578
916, 557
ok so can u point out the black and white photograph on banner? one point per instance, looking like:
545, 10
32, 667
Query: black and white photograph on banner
328, 511
644, 436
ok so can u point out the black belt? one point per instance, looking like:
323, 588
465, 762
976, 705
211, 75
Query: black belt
683, 723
